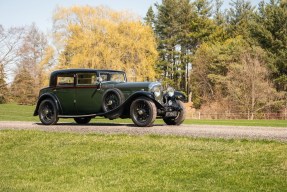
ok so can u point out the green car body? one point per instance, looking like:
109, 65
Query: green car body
86, 93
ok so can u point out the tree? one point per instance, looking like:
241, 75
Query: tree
23, 88
35, 54
98, 37
10, 41
270, 32
181, 26
248, 86
210, 67
240, 18
3, 87
150, 16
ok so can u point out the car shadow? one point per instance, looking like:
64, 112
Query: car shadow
98, 124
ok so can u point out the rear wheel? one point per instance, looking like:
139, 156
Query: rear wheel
178, 119
143, 112
48, 113
82, 120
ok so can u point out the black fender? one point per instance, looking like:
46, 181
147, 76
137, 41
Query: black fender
48, 96
146, 94
180, 96
177, 96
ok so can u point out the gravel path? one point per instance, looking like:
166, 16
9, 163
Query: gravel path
206, 131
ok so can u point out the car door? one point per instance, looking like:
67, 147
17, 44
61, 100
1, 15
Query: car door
88, 97
65, 91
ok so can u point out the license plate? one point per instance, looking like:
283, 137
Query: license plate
171, 114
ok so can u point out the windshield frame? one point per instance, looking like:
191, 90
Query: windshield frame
110, 73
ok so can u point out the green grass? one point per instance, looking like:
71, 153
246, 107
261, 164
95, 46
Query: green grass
42, 161
14, 112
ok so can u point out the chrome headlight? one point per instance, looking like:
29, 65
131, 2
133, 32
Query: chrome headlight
155, 88
156, 91
170, 91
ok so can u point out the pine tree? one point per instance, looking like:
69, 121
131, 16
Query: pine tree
240, 17
270, 32
23, 88
149, 18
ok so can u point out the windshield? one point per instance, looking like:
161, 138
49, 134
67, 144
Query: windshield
113, 76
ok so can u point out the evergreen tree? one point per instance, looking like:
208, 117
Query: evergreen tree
150, 16
23, 88
240, 17
218, 15
270, 31
181, 26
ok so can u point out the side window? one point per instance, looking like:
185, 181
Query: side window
104, 76
65, 80
87, 79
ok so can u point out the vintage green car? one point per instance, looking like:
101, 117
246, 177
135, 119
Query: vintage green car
83, 94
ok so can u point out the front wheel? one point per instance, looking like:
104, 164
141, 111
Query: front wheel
48, 113
143, 112
82, 120
179, 118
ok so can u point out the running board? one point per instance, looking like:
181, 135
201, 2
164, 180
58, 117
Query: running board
74, 116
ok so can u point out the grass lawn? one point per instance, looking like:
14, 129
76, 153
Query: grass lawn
14, 112
42, 161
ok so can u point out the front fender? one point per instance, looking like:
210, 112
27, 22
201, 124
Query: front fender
180, 96
146, 94
48, 96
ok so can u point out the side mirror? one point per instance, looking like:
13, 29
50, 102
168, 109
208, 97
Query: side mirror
100, 80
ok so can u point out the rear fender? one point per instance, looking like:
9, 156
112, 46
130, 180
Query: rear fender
48, 96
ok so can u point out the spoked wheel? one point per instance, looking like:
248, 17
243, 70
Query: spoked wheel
82, 120
111, 100
143, 112
178, 119
48, 113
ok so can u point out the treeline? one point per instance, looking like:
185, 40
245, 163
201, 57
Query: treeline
231, 61
226, 61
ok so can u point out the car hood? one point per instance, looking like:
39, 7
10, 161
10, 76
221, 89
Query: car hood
146, 86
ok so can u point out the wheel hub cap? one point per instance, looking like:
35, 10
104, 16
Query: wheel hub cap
110, 102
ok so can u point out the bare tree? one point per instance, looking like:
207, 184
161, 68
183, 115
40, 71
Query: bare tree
249, 87
10, 40
35, 54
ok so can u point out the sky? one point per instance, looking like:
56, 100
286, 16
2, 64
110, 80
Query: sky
25, 12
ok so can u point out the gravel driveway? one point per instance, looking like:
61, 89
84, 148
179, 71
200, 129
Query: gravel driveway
206, 131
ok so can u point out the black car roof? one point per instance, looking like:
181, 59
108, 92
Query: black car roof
63, 71
81, 70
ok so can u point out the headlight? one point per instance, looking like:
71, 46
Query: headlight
156, 91
170, 91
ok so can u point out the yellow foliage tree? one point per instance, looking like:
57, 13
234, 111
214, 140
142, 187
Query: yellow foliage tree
100, 38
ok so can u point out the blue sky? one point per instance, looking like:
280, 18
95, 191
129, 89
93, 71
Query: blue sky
25, 12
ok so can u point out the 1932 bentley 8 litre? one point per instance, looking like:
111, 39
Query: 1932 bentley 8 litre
86, 93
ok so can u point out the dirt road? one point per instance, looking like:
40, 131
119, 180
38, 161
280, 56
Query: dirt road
205, 131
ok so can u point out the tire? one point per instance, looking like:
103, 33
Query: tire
143, 112
176, 120
112, 99
48, 113
82, 120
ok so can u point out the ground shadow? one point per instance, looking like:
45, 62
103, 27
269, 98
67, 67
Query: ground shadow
97, 124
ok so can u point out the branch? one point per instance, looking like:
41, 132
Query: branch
269, 104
